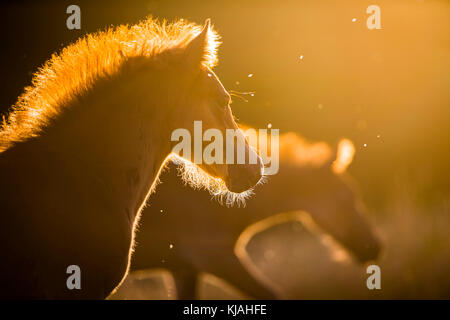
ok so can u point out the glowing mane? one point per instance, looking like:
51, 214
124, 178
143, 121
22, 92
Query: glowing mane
78, 66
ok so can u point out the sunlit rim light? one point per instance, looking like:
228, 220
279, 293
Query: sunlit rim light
197, 178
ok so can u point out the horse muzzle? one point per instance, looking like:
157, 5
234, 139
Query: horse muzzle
242, 177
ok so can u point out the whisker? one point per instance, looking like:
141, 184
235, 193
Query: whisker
236, 95
239, 93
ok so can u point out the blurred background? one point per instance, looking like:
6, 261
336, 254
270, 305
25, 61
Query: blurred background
317, 70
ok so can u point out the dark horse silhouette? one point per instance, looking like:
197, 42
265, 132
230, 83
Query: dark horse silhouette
82, 149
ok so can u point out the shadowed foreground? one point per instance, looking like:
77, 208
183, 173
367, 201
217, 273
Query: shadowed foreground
415, 264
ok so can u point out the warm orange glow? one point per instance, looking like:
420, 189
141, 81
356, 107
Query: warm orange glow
345, 153
295, 149
79, 65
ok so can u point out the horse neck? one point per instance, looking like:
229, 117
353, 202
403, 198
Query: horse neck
118, 132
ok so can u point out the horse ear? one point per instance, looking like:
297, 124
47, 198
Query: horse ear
344, 156
197, 49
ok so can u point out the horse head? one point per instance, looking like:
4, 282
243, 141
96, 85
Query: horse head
203, 105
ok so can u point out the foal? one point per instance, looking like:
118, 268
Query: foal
82, 149
207, 237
